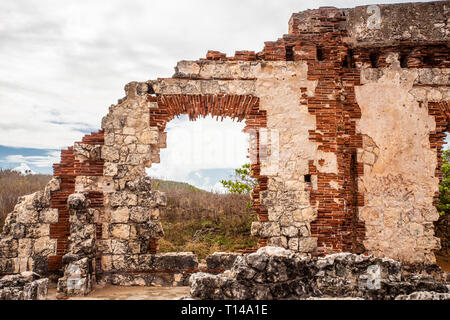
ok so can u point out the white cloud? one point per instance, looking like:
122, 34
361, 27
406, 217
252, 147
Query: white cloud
24, 169
65, 62
201, 144
38, 161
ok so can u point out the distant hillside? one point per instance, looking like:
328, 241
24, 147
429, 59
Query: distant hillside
172, 186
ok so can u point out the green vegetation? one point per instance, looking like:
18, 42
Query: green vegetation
13, 185
242, 183
444, 187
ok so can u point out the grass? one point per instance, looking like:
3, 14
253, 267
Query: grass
204, 222
14, 185
194, 220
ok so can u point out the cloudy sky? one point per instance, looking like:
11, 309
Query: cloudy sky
64, 62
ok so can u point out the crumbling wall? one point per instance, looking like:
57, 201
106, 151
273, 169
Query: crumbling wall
399, 181
284, 147
26, 243
346, 116
130, 225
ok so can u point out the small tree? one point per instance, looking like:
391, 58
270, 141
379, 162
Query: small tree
444, 187
241, 183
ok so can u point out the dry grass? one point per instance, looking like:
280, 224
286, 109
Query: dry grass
14, 185
204, 222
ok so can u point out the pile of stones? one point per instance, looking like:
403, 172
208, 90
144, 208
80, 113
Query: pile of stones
24, 286
277, 273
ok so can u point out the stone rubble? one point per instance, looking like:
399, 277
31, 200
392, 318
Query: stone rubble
220, 261
277, 273
24, 286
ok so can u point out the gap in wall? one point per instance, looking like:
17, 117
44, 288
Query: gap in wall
201, 216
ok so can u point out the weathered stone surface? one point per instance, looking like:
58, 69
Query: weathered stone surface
24, 286
221, 260
150, 279
424, 295
77, 279
277, 273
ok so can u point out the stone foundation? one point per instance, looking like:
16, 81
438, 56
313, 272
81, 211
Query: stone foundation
277, 273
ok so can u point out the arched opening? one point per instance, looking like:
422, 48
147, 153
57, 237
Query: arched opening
201, 217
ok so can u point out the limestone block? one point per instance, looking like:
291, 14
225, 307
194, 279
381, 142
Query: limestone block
120, 231
28, 217
154, 136
119, 247
21, 264
430, 214
221, 260
49, 215
120, 215
122, 198
307, 244
134, 247
274, 212
305, 214
265, 229
106, 262
162, 143
139, 214
8, 247
134, 159
53, 184
110, 169
110, 153
104, 246
175, 261
38, 230
391, 216
293, 244
416, 230
143, 149
149, 230
17, 231
286, 219
44, 246
289, 231
129, 131
119, 262
369, 215
368, 158
278, 242
109, 139
133, 232
304, 231
145, 137
428, 243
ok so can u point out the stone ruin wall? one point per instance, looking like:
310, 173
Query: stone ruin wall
359, 111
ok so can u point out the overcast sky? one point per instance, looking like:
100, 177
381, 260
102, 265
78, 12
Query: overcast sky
63, 63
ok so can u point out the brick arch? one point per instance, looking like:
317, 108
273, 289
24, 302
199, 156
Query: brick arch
239, 107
